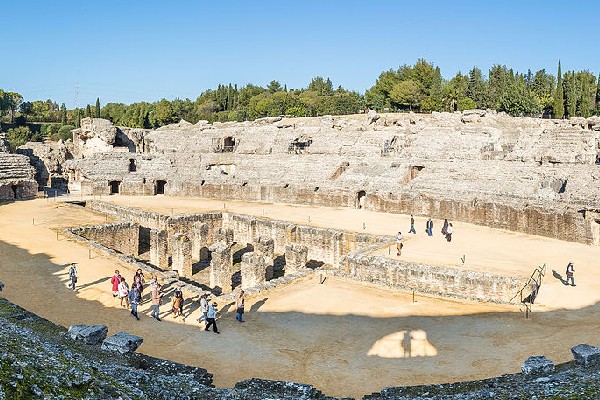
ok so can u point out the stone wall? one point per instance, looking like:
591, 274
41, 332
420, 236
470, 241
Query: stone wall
16, 177
121, 236
324, 244
475, 166
439, 281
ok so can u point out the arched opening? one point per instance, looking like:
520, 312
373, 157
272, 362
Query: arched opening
160, 187
360, 199
115, 187
132, 166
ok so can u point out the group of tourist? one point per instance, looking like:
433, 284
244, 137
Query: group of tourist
447, 230
131, 297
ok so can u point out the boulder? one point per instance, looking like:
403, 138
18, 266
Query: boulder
585, 354
122, 342
537, 365
372, 117
476, 111
88, 334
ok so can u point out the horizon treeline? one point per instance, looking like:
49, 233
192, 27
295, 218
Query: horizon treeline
419, 87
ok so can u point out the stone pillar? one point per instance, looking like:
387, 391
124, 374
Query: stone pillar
296, 256
159, 255
182, 255
221, 267
224, 235
254, 268
200, 237
265, 246
133, 239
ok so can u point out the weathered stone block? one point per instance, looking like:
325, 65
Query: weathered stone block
264, 246
224, 235
221, 267
159, 255
88, 334
200, 240
182, 255
254, 270
296, 256
537, 365
122, 342
585, 354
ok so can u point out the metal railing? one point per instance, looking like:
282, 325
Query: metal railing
531, 289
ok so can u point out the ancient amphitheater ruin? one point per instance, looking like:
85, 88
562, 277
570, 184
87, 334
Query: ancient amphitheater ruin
302, 214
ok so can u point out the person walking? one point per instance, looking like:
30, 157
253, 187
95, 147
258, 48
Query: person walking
124, 292
177, 304
445, 227
203, 307
115, 280
73, 275
412, 225
399, 244
449, 232
140, 280
239, 306
135, 297
211, 318
429, 227
570, 274
156, 296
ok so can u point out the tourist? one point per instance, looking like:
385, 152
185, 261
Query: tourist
177, 303
124, 292
156, 295
203, 307
445, 227
570, 274
239, 306
449, 231
429, 227
115, 280
73, 275
139, 279
412, 225
399, 244
135, 297
211, 318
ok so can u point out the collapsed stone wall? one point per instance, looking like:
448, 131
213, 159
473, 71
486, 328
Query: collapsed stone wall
16, 177
121, 236
49, 160
441, 281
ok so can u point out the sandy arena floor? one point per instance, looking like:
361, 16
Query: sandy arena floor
345, 338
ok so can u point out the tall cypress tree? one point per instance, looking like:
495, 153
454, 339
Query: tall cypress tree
559, 103
97, 107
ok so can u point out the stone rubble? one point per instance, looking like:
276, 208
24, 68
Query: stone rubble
122, 342
88, 334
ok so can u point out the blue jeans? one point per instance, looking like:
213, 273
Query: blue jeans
572, 278
430, 232
72, 283
134, 309
238, 316
154, 313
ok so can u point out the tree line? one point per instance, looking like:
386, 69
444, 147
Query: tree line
419, 87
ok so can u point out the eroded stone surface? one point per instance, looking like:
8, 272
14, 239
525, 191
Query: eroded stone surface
88, 334
585, 354
537, 365
122, 342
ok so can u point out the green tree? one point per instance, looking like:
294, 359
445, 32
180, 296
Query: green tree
19, 136
407, 93
324, 87
274, 86
88, 111
97, 109
559, 105
476, 89
63, 114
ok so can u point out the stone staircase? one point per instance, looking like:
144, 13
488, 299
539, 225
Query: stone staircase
15, 167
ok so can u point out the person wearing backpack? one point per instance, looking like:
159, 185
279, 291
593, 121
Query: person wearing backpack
570, 274
73, 276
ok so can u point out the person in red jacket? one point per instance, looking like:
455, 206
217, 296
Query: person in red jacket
115, 280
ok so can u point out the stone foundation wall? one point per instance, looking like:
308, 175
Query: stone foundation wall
122, 237
324, 244
442, 281
24, 190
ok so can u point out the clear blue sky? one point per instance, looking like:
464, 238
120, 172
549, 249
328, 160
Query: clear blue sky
133, 50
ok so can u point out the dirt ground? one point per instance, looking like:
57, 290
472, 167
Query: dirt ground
343, 337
